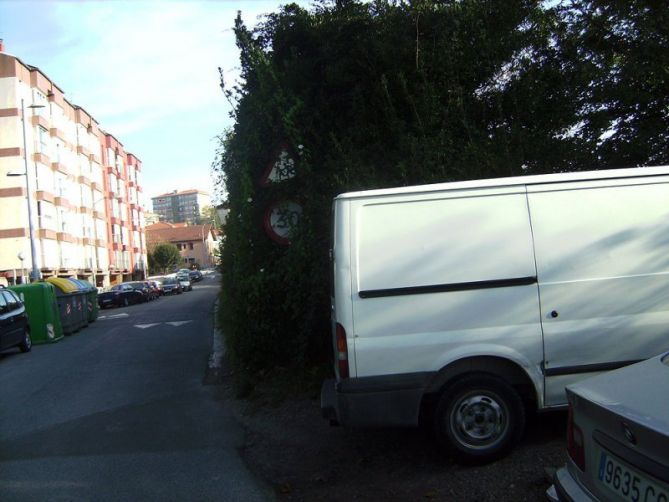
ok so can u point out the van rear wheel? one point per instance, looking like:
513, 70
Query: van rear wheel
479, 418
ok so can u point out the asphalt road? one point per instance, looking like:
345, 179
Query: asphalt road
119, 411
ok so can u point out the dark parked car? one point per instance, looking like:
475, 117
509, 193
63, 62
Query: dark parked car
121, 295
150, 293
14, 326
171, 286
195, 275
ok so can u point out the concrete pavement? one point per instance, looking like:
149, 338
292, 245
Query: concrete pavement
119, 412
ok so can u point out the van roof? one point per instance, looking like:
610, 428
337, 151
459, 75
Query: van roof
513, 181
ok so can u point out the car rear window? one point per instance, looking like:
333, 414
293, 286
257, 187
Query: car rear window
12, 301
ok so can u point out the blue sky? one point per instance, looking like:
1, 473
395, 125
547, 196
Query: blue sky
146, 70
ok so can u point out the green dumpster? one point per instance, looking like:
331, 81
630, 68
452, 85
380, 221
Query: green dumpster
92, 299
42, 307
69, 299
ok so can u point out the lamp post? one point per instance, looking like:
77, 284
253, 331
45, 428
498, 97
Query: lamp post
35, 272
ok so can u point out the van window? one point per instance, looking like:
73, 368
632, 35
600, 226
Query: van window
444, 242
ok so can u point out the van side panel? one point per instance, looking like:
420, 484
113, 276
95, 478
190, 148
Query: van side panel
603, 266
437, 274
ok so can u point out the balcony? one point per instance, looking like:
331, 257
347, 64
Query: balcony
57, 133
42, 159
44, 195
45, 233
100, 243
59, 166
82, 150
84, 180
38, 120
64, 236
100, 215
62, 202
85, 210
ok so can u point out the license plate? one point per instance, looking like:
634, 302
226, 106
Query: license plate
628, 483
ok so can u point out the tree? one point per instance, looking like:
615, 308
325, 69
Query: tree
164, 258
617, 55
209, 215
392, 93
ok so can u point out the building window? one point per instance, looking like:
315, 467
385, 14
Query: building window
190, 245
43, 146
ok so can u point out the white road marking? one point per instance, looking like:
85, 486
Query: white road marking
171, 323
178, 323
113, 316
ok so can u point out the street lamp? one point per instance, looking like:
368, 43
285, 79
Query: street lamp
34, 273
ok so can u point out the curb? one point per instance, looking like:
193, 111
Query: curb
214, 373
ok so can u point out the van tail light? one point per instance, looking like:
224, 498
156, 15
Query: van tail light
575, 446
342, 351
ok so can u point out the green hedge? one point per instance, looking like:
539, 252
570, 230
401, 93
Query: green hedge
387, 94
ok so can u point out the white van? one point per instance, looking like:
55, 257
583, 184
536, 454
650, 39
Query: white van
465, 303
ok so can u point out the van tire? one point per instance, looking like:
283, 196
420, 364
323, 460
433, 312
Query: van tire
479, 418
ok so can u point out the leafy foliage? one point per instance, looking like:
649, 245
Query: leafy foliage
397, 93
164, 258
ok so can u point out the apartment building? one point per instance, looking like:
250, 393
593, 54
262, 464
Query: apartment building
85, 193
178, 207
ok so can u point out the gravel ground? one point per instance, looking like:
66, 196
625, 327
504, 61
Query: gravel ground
303, 458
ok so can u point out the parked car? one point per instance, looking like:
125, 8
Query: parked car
184, 279
172, 286
158, 287
618, 436
121, 295
145, 288
14, 325
195, 275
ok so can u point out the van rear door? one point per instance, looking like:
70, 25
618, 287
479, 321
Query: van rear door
602, 252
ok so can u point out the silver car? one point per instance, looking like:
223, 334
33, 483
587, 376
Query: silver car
618, 436
184, 280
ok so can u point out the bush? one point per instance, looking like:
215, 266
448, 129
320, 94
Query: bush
377, 95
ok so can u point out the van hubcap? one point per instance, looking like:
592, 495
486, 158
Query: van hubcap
478, 420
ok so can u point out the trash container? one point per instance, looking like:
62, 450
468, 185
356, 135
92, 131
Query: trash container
81, 311
92, 297
69, 298
42, 307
